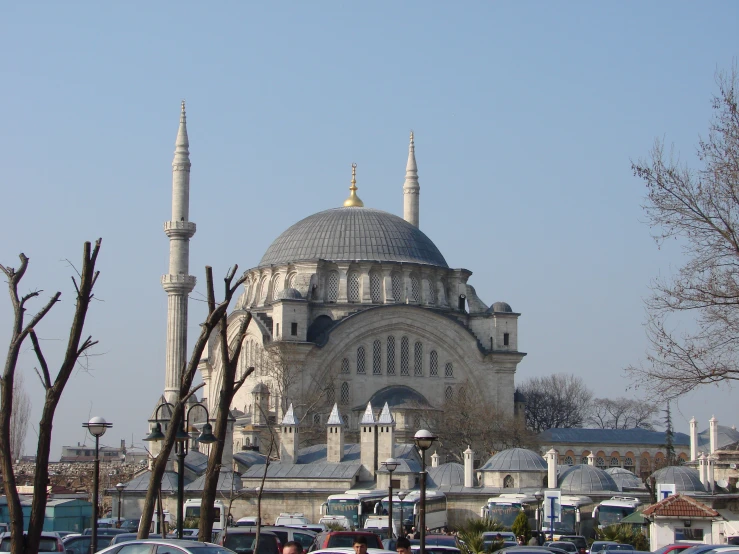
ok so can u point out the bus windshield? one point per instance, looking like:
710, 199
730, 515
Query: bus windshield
505, 514
194, 512
398, 507
347, 507
610, 515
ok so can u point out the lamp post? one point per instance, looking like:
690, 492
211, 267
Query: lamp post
401, 497
97, 427
423, 439
539, 497
182, 438
120, 487
391, 464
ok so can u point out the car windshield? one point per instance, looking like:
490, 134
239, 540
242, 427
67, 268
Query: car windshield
243, 543
47, 544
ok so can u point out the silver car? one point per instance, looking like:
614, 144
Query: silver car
165, 546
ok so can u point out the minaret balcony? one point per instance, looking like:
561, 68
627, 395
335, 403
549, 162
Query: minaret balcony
178, 283
179, 229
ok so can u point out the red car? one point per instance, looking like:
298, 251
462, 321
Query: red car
334, 539
674, 548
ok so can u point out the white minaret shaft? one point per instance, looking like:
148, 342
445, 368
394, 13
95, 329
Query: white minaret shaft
411, 189
178, 283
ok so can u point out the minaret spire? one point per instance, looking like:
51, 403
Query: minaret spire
411, 188
178, 283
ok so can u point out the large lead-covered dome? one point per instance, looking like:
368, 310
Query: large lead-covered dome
349, 234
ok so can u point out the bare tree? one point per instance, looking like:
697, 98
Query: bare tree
622, 413
216, 313
700, 207
19, 418
560, 400
53, 388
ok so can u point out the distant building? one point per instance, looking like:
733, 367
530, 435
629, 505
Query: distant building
84, 453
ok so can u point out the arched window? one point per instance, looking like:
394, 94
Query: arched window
352, 286
432, 292
360, 360
376, 287
345, 366
615, 462
600, 462
276, 286
391, 355
345, 393
415, 289
449, 370
448, 393
418, 359
397, 280
584, 460
508, 482
247, 442
291, 280
332, 287
629, 464
331, 394
377, 358
404, 357
263, 290
568, 461
247, 291
433, 364
416, 421
316, 419
345, 418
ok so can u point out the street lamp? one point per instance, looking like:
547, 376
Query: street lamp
391, 464
120, 487
181, 438
423, 439
539, 497
97, 427
401, 497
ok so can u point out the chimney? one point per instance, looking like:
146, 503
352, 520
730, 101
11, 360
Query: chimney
289, 438
469, 468
368, 444
435, 459
552, 468
335, 437
711, 463
702, 468
693, 439
385, 435
713, 433
591, 459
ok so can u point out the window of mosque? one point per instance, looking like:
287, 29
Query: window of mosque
629, 464
376, 288
345, 365
432, 292
332, 287
352, 287
448, 393
345, 418
449, 371
416, 421
615, 462
391, 355
276, 286
377, 358
277, 329
584, 460
397, 280
568, 461
508, 482
434, 364
404, 357
316, 419
247, 442
418, 359
331, 394
506, 339
345, 393
291, 280
415, 289
360, 360
600, 462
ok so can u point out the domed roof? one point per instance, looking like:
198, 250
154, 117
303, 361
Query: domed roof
585, 479
348, 234
624, 478
515, 459
260, 388
446, 474
500, 307
290, 293
685, 479
398, 396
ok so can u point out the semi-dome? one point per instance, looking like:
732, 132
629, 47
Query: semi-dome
585, 479
398, 396
515, 459
354, 233
685, 479
451, 474
500, 307
624, 478
289, 294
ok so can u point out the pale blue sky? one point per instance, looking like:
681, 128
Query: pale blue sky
526, 115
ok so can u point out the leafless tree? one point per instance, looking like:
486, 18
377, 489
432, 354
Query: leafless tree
19, 418
700, 207
622, 413
216, 313
559, 400
53, 388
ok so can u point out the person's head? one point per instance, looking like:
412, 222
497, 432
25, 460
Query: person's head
403, 546
292, 547
360, 545
499, 537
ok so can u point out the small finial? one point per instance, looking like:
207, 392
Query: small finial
353, 201
183, 116
411, 136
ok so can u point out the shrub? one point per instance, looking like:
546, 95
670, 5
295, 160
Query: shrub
521, 526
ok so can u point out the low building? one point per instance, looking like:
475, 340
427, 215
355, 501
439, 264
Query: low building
680, 518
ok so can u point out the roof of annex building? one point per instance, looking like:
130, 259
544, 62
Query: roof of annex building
610, 436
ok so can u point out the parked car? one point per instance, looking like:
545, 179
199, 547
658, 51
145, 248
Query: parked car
597, 546
105, 531
580, 541
436, 549
567, 546
286, 534
528, 550
495, 545
315, 527
345, 550
437, 540
128, 537
171, 546
50, 542
504, 535
701, 548
291, 519
677, 547
80, 544
345, 539
617, 547
241, 540
130, 525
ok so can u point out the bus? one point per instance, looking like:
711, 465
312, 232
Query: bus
505, 508
611, 512
350, 509
571, 516
154, 525
192, 511
436, 510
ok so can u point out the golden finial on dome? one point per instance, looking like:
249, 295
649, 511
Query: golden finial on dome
353, 201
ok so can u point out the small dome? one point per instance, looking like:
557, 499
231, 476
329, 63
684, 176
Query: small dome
260, 388
685, 479
624, 478
515, 459
586, 479
451, 474
499, 307
289, 294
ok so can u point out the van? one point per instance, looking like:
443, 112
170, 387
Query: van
285, 534
241, 540
291, 519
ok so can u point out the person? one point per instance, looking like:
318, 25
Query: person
521, 541
533, 541
413, 534
403, 546
360, 545
293, 547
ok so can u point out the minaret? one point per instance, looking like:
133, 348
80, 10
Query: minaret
178, 283
693, 439
411, 189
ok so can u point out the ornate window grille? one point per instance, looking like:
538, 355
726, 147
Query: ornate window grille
584, 460
448, 393
345, 393
629, 463
377, 358
391, 355
432, 291
331, 394
332, 287
376, 288
398, 295
568, 461
433, 364
418, 359
316, 419
345, 366
404, 357
415, 289
615, 462
600, 462
508, 482
352, 286
449, 370
360, 360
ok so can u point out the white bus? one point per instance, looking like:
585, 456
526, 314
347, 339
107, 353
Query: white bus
611, 512
436, 511
351, 508
505, 508
571, 516
192, 510
154, 524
